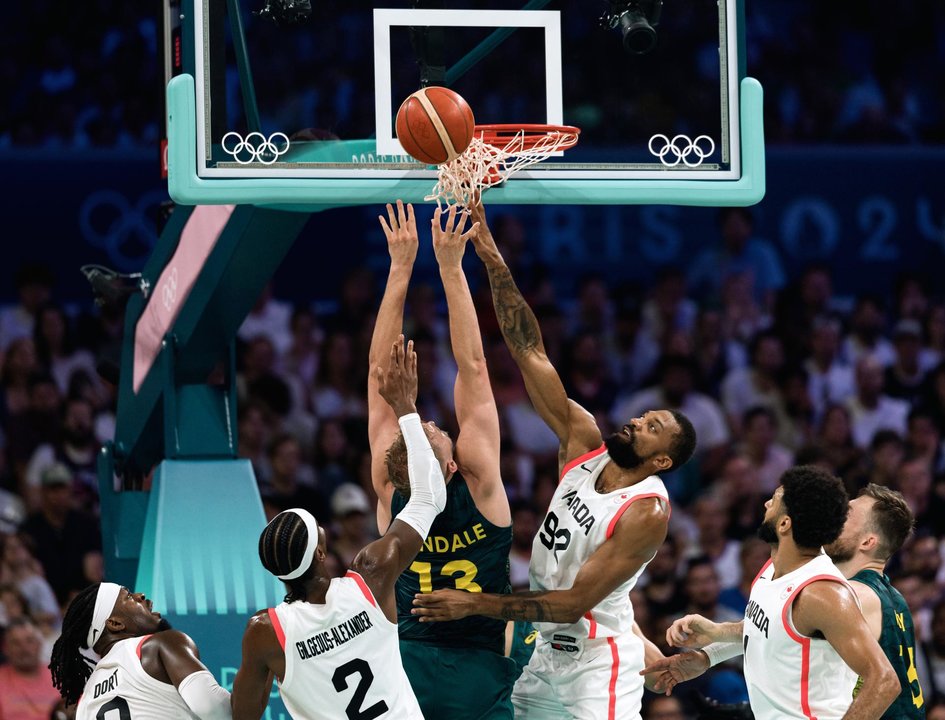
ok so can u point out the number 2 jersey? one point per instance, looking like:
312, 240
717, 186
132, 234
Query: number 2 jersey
463, 551
120, 688
579, 520
342, 657
790, 675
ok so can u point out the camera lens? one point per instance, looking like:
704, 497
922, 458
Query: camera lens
638, 35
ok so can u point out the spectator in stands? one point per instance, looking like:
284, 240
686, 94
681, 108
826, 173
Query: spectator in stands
39, 424
302, 357
914, 481
770, 459
19, 364
741, 253
662, 707
268, 318
34, 285
19, 568
871, 409
668, 309
904, 376
524, 530
866, 334
830, 380
26, 688
76, 448
711, 517
660, 583
586, 376
701, 585
835, 439
253, 434
757, 384
350, 506
934, 651
337, 392
738, 484
633, 353
290, 483
65, 538
714, 352
924, 438
56, 350
752, 556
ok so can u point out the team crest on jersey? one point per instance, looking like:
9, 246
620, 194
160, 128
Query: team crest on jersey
621, 499
786, 592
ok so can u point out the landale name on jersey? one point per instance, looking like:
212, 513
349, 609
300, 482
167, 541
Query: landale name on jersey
580, 511
757, 616
328, 640
458, 541
107, 685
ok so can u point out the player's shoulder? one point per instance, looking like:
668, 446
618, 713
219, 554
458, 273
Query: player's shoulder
171, 639
825, 595
867, 594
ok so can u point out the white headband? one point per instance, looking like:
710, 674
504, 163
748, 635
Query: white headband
105, 600
312, 526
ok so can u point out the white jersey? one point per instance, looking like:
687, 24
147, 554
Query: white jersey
342, 658
579, 520
120, 688
790, 675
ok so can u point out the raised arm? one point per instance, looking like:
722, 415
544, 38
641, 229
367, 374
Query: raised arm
830, 608
477, 446
638, 535
576, 429
381, 562
178, 656
400, 229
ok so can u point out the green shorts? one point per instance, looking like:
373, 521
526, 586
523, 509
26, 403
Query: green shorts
459, 683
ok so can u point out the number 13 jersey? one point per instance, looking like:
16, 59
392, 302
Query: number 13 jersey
579, 520
342, 658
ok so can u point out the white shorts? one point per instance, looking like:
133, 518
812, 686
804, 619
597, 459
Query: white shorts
597, 680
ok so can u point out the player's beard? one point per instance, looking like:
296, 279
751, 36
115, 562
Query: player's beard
164, 624
768, 532
621, 451
840, 551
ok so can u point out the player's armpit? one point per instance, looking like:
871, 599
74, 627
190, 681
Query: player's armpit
262, 658
381, 562
830, 608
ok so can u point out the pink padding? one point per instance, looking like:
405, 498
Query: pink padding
170, 292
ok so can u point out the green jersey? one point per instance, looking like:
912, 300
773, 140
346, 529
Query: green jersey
897, 640
463, 551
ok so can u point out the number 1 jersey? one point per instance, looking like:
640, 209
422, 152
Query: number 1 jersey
580, 520
342, 657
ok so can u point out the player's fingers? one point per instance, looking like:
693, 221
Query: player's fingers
657, 666
472, 232
401, 215
411, 220
390, 216
436, 222
384, 226
411, 359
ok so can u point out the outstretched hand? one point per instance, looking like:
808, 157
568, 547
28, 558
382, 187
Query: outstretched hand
449, 244
691, 631
443, 605
666, 673
482, 241
401, 232
398, 384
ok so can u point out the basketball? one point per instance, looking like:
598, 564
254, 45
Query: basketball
435, 125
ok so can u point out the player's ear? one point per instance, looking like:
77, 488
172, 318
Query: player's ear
115, 624
869, 543
451, 467
784, 525
662, 462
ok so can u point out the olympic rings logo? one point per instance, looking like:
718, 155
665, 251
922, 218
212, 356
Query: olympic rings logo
169, 291
255, 147
681, 149
123, 228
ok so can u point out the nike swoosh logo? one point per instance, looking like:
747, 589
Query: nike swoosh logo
585, 467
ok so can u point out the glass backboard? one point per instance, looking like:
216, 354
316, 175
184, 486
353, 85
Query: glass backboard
305, 111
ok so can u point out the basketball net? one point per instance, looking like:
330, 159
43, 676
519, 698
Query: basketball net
495, 153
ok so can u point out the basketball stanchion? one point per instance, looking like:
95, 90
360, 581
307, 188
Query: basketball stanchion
495, 153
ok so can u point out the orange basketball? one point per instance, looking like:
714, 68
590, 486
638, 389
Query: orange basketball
435, 125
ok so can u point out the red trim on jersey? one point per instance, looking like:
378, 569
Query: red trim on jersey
623, 508
363, 585
761, 572
138, 649
592, 632
803, 641
614, 670
578, 460
277, 626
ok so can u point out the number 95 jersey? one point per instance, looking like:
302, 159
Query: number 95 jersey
580, 520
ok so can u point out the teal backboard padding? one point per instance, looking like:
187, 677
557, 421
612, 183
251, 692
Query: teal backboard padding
199, 561
312, 194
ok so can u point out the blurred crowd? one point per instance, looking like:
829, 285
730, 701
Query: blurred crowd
868, 73
772, 369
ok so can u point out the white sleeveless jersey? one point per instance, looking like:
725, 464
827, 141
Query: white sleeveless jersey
790, 675
342, 658
120, 688
579, 520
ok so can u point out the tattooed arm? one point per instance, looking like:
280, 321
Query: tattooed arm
574, 426
639, 532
